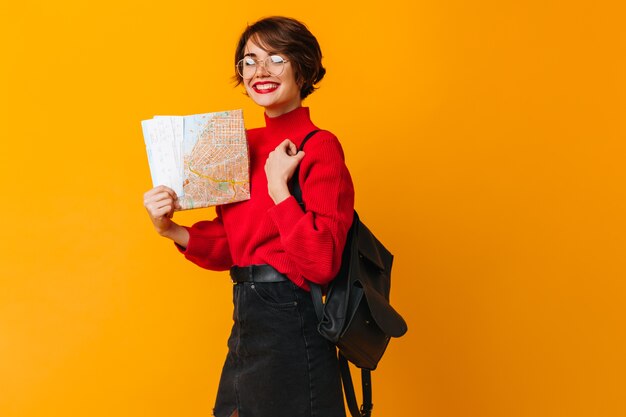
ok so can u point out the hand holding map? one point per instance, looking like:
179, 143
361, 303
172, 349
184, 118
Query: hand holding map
202, 157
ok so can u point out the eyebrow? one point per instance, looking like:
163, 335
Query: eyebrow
269, 53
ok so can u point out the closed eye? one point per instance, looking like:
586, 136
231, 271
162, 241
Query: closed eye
277, 59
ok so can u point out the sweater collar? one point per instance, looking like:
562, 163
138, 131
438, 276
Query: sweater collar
291, 125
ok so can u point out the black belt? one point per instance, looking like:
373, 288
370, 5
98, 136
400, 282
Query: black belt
256, 273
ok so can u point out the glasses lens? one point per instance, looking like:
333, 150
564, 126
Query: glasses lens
246, 67
273, 64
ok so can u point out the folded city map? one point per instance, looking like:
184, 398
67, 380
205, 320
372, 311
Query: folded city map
202, 157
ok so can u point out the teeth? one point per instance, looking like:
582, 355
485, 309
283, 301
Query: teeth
266, 86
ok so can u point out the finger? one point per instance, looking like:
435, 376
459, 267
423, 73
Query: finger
166, 195
171, 192
155, 208
292, 149
158, 198
159, 192
166, 189
163, 203
299, 156
284, 145
158, 189
162, 213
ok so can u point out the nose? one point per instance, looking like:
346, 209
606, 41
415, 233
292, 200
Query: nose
261, 68
264, 71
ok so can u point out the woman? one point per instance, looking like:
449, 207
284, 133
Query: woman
277, 364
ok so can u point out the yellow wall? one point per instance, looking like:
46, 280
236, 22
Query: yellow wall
486, 140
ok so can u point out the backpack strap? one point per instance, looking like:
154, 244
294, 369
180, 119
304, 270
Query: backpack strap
366, 383
348, 389
295, 181
316, 290
316, 295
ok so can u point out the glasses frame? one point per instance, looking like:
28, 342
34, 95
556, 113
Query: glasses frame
258, 63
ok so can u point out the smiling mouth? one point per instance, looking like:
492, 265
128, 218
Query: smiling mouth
265, 88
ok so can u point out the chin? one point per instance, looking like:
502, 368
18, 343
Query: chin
265, 103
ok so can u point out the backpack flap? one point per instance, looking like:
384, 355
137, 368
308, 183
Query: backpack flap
384, 314
374, 263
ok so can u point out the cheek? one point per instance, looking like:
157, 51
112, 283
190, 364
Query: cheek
291, 79
249, 89
296, 89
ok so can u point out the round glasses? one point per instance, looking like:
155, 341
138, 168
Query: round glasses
273, 64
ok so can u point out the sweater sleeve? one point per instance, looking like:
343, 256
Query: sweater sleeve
208, 245
315, 238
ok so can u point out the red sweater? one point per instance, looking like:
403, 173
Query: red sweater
299, 244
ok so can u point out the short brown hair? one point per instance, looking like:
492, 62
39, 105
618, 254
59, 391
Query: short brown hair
292, 38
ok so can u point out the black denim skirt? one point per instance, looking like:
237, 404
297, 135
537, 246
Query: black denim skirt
277, 364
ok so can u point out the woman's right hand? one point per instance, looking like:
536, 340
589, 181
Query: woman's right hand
160, 202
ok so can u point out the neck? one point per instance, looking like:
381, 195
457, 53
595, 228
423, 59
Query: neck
271, 112
292, 123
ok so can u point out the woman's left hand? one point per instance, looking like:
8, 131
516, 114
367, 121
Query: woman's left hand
279, 167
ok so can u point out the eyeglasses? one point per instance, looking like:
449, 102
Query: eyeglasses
273, 64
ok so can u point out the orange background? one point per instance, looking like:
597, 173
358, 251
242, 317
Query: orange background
486, 141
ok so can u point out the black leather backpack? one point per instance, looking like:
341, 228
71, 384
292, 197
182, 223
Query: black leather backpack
356, 314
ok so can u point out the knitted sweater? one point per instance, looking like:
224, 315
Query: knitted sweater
299, 244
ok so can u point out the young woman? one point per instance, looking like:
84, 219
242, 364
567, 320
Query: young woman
277, 364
